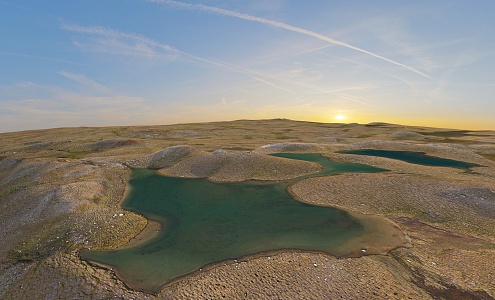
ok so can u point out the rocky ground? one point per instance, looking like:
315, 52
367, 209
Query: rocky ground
61, 189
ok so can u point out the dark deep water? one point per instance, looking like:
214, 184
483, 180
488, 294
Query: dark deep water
205, 222
419, 158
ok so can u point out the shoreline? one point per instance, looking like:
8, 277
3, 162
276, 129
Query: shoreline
149, 232
152, 228
380, 236
448, 214
376, 227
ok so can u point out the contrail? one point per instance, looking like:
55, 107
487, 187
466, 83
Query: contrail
225, 12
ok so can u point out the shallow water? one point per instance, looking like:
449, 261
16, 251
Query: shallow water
419, 158
329, 167
205, 222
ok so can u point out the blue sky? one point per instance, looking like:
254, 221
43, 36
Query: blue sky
102, 63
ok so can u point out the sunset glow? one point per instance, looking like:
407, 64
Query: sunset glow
425, 63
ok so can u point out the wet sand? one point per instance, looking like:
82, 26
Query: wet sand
149, 232
380, 234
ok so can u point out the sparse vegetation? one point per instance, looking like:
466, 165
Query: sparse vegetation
77, 199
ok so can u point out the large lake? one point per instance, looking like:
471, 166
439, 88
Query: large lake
206, 222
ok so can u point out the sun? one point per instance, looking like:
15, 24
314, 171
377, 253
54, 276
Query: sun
340, 117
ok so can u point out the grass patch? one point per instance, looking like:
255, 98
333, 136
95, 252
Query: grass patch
12, 189
488, 156
75, 154
280, 135
42, 244
100, 199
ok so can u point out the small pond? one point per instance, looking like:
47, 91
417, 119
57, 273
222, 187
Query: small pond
206, 222
419, 158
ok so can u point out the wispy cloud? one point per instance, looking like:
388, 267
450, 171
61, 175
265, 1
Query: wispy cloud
478, 84
299, 52
448, 43
146, 48
225, 12
463, 60
396, 39
334, 92
89, 103
266, 79
23, 55
103, 31
122, 43
91, 111
86, 94
86, 82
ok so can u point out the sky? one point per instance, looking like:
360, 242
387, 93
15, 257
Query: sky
151, 62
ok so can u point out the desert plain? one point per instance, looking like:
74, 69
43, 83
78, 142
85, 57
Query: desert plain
61, 191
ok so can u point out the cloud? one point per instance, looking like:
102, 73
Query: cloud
40, 113
86, 82
335, 93
461, 61
87, 102
298, 52
225, 12
266, 6
41, 57
121, 43
42, 106
395, 39
86, 95
265, 79
103, 31
145, 48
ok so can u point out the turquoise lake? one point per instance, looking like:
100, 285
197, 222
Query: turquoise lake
419, 158
206, 222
